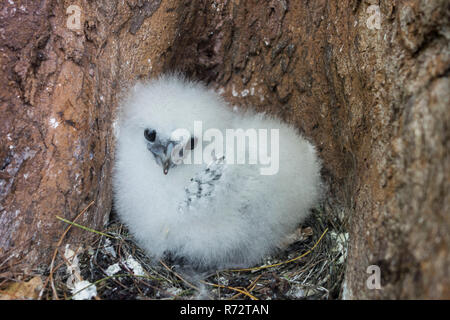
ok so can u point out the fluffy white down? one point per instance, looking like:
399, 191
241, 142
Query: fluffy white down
246, 217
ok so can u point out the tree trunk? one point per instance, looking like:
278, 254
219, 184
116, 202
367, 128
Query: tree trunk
367, 81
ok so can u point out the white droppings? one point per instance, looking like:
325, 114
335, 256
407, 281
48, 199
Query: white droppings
54, 123
81, 289
112, 269
134, 266
244, 93
84, 290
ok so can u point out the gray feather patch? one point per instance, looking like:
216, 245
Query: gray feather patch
201, 187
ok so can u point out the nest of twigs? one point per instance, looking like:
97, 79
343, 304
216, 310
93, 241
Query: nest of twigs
113, 266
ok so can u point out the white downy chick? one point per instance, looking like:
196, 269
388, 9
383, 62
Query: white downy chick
214, 213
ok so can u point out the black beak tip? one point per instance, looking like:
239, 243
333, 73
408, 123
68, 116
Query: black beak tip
165, 171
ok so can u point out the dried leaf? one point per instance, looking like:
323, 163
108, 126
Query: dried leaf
28, 290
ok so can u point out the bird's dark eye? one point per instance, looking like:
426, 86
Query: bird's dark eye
150, 135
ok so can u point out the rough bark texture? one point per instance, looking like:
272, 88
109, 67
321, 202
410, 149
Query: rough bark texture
59, 91
374, 101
